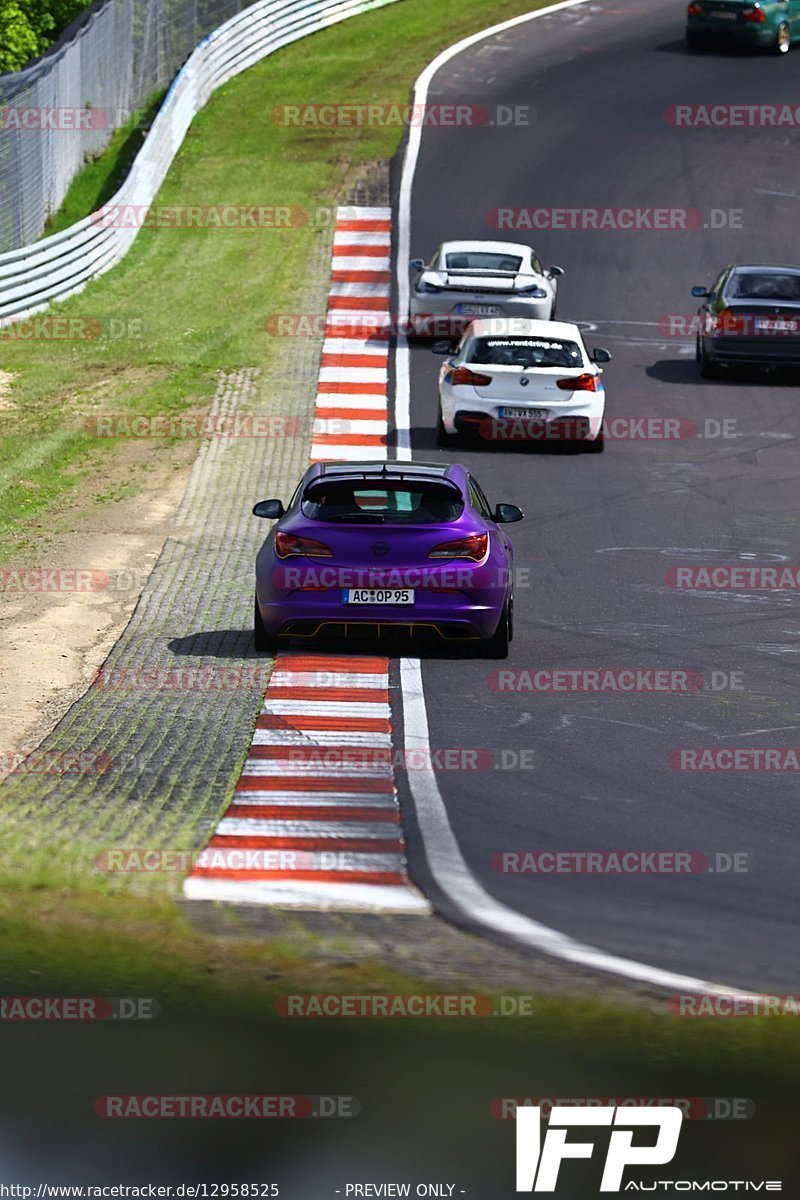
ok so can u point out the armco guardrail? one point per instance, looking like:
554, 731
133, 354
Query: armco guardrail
56, 267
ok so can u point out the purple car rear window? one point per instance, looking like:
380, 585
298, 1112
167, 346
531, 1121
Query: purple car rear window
390, 502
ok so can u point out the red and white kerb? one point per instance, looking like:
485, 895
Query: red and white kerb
313, 823
352, 406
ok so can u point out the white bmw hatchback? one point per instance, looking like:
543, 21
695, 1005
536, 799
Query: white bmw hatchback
514, 379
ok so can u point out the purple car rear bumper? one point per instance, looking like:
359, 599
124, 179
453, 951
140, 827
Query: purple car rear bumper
448, 614
455, 600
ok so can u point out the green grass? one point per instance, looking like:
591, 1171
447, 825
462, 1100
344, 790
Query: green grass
429, 1081
152, 947
202, 296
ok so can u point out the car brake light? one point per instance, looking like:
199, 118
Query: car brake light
695, 9
472, 547
289, 545
464, 375
588, 382
754, 14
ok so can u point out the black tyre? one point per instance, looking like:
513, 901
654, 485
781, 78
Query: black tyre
694, 42
598, 445
497, 645
262, 641
708, 368
443, 438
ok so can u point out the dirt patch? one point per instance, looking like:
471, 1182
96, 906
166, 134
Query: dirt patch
6, 379
67, 597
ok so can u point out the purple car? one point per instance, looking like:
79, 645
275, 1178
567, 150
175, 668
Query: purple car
382, 548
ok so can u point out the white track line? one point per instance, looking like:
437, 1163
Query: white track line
369, 897
447, 865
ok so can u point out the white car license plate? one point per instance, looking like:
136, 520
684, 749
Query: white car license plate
480, 310
776, 325
723, 16
378, 596
532, 414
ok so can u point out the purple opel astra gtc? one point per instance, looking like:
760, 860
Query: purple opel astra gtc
386, 547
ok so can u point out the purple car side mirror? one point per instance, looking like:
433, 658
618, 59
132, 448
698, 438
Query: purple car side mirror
271, 509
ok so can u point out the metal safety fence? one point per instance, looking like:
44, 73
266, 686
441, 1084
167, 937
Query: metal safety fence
33, 275
65, 106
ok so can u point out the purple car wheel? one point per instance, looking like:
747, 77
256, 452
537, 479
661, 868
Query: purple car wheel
497, 645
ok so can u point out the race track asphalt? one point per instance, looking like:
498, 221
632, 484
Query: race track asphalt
601, 531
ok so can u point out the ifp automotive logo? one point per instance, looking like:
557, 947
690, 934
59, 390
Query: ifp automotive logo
539, 1159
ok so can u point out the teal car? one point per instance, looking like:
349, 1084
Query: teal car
756, 24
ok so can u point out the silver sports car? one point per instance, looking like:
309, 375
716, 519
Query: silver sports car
465, 280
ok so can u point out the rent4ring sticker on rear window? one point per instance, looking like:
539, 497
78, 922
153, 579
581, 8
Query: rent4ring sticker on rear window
525, 342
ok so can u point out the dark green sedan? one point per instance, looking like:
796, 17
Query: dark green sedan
761, 25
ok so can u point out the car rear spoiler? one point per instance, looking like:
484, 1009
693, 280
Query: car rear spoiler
482, 271
389, 475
